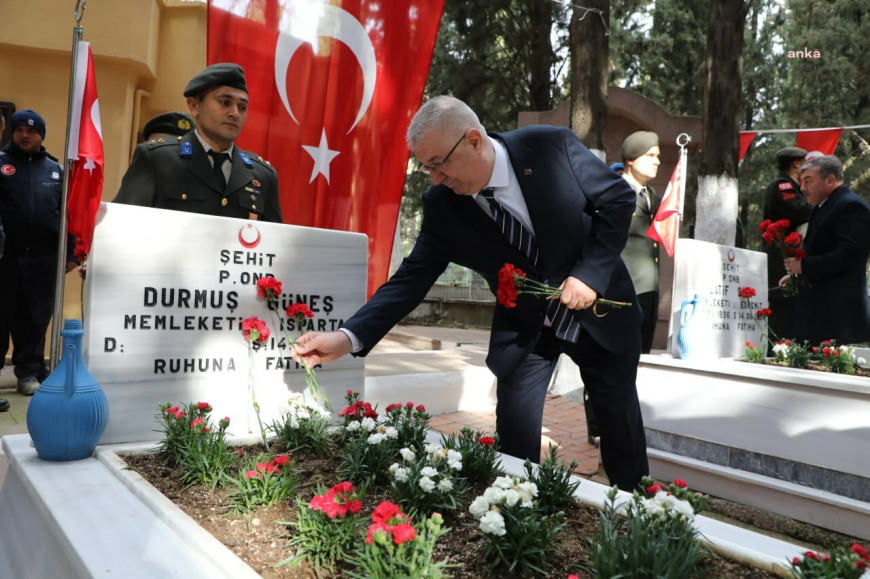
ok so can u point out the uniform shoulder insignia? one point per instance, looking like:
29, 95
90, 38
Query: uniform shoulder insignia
262, 160
161, 142
786, 186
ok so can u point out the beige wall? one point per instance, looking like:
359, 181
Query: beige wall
145, 51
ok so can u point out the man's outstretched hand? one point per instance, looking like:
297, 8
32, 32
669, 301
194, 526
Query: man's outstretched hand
316, 348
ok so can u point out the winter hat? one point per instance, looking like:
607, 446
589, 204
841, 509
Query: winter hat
28, 117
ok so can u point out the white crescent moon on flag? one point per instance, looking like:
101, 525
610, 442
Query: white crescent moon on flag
308, 24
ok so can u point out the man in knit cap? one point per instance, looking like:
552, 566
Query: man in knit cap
204, 172
31, 187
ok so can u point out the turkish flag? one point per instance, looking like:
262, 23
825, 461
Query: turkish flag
822, 140
86, 151
665, 227
332, 90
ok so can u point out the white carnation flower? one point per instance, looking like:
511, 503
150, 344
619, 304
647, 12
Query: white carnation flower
368, 424
408, 454
400, 473
503, 482
429, 471
529, 487
494, 495
445, 485
427, 484
376, 438
492, 523
431, 448
511, 497
352, 426
391, 432
478, 507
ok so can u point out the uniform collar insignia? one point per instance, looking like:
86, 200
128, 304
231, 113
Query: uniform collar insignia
186, 149
248, 163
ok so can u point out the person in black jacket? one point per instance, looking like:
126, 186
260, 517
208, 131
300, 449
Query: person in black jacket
31, 185
783, 199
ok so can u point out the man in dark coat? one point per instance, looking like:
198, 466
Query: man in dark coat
204, 172
783, 199
535, 198
835, 304
31, 188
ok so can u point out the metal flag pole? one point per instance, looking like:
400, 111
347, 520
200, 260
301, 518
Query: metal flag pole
683, 139
60, 274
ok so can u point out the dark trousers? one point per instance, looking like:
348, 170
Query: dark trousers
610, 380
649, 305
26, 306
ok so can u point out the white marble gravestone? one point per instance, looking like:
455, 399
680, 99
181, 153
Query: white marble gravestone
166, 295
716, 273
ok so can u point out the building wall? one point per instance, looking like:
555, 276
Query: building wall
145, 51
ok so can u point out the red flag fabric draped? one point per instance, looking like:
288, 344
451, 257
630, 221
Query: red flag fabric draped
746, 138
332, 90
86, 151
665, 227
824, 141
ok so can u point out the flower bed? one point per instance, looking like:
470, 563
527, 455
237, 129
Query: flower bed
447, 514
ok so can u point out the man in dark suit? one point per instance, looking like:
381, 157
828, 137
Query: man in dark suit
203, 171
578, 212
835, 304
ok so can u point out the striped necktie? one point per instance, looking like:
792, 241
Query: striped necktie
512, 228
561, 318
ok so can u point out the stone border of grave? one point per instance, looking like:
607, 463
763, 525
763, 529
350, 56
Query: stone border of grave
781, 439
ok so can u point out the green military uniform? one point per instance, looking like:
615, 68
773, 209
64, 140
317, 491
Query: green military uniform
641, 253
176, 173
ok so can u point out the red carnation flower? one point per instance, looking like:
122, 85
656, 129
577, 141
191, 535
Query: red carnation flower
747, 292
300, 311
268, 287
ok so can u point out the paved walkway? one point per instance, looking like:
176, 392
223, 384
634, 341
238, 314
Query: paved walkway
415, 349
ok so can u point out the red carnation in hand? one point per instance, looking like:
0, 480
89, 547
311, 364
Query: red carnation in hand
507, 288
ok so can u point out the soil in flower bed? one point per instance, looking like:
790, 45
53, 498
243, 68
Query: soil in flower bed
260, 538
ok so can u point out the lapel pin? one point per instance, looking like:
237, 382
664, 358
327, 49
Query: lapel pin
527, 172
256, 183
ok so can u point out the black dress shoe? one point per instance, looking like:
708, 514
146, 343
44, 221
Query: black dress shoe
4, 405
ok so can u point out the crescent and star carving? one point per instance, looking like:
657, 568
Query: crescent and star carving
309, 22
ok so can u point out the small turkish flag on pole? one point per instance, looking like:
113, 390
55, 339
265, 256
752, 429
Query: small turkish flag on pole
85, 152
665, 227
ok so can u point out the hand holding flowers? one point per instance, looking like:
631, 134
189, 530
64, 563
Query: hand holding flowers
513, 281
774, 233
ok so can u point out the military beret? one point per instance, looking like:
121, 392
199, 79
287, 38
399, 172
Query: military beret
790, 153
178, 124
220, 74
637, 144
617, 167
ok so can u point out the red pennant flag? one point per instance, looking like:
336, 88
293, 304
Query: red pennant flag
746, 138
86, 152
665, 227
824, 141
332, 90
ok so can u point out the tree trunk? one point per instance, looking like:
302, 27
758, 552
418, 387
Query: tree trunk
716, 209
589, 53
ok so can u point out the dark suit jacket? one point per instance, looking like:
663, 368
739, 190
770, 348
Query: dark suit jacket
580, 211
837, 246
175, 173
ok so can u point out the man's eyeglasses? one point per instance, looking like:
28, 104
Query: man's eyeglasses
438, 164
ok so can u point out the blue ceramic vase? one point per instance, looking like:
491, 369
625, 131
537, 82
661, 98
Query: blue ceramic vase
69, 412
693, 320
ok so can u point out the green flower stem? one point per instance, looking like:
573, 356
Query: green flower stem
254, 394
310, 376
533, 287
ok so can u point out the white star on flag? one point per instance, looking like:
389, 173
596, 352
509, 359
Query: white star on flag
322, 156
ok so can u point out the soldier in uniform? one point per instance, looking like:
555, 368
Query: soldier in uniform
168, 125
783, 199
203, 171
640, 154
